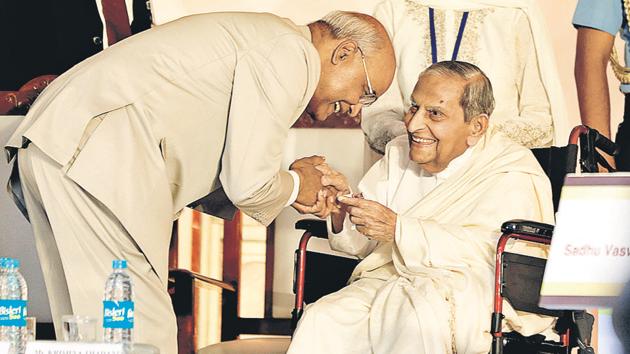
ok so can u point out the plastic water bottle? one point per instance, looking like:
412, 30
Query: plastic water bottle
13, 298
3, 272
118, 307
3, 269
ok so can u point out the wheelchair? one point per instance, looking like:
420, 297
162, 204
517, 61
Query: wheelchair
518, 278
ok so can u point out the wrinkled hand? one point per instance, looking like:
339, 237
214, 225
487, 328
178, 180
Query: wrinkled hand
336, 183
371, 218
313, 197
334, 179
323, 206
310, 179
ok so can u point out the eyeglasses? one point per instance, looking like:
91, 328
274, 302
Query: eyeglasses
370, 96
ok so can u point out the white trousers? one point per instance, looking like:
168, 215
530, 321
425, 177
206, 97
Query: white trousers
76, 239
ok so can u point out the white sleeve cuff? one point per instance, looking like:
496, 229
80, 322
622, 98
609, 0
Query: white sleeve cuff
296, 187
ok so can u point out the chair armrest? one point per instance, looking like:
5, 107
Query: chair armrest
177, 273
18, 102
316, 227
527, 227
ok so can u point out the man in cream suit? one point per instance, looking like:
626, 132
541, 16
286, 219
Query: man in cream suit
194, 110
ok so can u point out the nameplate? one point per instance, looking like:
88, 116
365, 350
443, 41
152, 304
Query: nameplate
589, 259
51, 347
4, 347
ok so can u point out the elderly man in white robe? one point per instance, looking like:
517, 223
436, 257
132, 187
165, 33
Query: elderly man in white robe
426, 223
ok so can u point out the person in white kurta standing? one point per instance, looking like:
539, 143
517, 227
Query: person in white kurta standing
113, 149
426, 228
505, 38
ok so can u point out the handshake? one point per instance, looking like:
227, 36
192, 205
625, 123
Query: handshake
320, 186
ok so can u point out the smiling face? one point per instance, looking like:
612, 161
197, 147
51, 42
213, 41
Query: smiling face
344, 78
341, 84
437, 130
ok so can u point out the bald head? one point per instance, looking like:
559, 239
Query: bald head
346, 40
364, 29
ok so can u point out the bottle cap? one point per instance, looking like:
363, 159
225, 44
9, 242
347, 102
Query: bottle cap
119, 264
3, 261
11, 263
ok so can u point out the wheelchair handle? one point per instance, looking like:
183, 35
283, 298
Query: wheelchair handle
600, 141
316, 227
605, 144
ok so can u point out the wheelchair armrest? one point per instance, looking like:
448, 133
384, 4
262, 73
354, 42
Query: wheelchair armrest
316, 227
527, 227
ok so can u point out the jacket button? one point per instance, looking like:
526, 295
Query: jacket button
97, 40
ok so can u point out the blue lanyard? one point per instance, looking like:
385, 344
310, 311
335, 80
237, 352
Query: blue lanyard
458, 42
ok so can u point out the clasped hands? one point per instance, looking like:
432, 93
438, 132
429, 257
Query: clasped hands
324, 191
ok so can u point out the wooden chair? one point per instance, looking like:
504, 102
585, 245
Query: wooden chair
18, 102
187, 288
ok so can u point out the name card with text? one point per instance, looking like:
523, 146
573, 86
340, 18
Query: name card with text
51, 347
4, 347
589, 259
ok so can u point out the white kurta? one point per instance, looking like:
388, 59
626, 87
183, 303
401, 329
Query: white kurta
430, 291
499, 40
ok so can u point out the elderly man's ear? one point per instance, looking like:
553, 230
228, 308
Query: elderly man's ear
478, 126
344, 51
